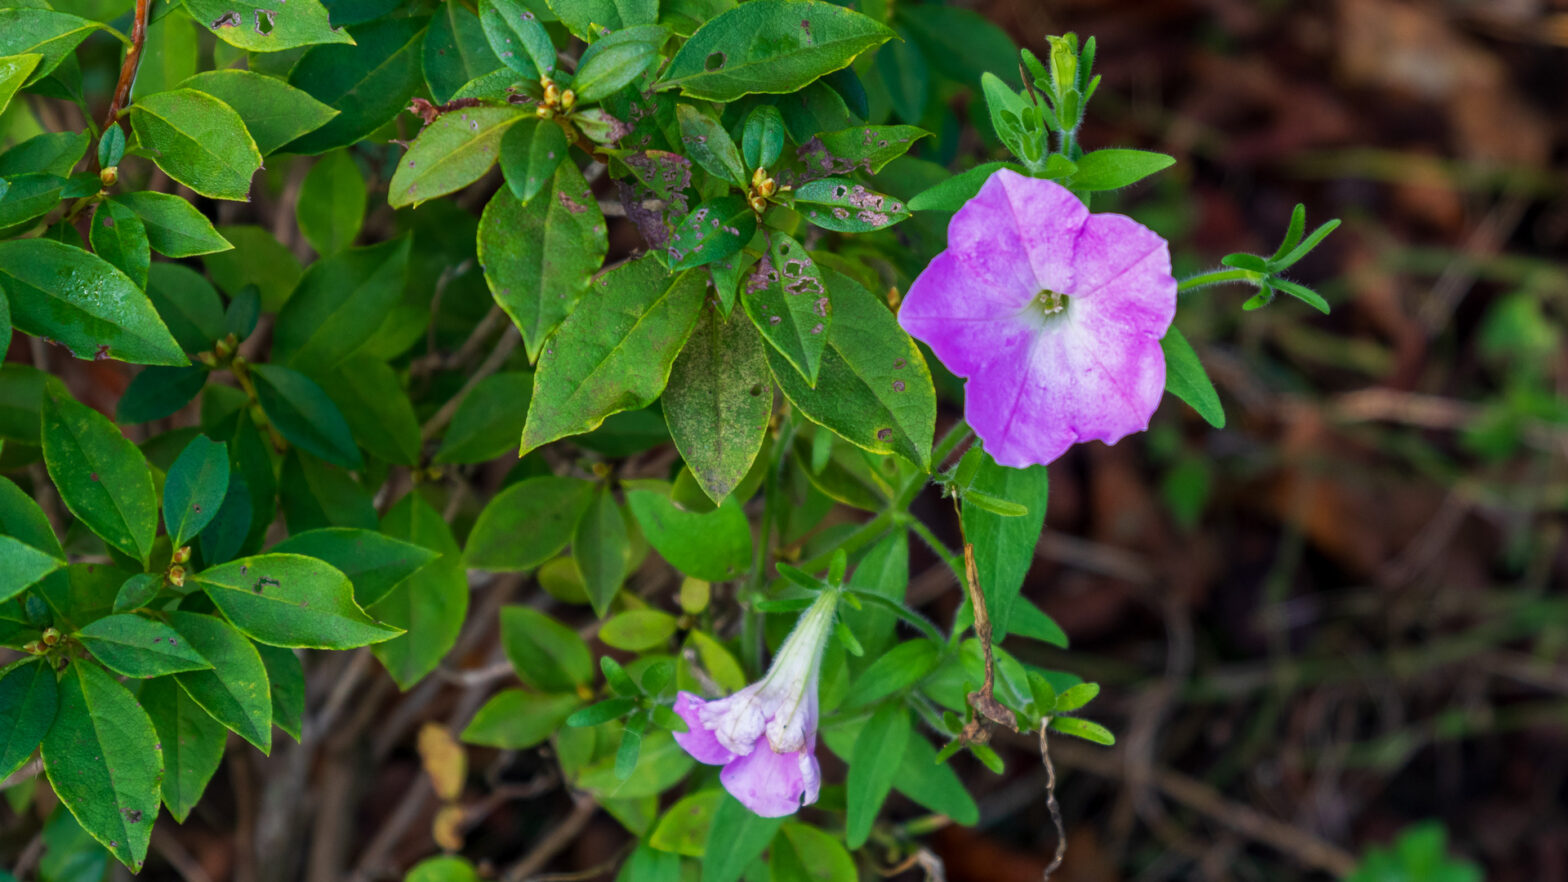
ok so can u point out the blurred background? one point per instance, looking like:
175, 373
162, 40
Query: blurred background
1346, 610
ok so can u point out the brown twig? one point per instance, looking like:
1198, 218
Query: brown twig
1050, 801
133, 60
984, 700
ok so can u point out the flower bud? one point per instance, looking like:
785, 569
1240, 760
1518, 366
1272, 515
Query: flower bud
177, 576
51, 636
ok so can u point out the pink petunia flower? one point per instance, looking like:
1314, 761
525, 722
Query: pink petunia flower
1053, 314
765, 736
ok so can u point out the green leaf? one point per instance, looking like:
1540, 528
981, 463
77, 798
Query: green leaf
935, 786
82, 302
369, 83
315, 494
874, 389
847, 207
138, 591
614, 352
714, 546
191, 740
762, 138
134, 646
258, 260
194, 488
450, 153
1303, 293
736, 837
14, 71
514, 719
601, 712
197, 140
304, 414
102, 478
489, 421
264, 28
1088, 730
900, 668
1117, 168
587, 19
42, 31
274, 112
176, 58
903, 69
1004, 546
429, 605
22, 566
326, 318
188, 303
709, 145
1029, 621
28, 698
455, 53
55, 153
530, 153
1075, 697
547, 655
527, 523
331, 205
29, 196
861, 148
539, 258
370, 395
103, 761
952, 193
719, 400
599, 545
770, 46
291, 600
286, 686
236, 692
873, 765
786, 299
23, 520
960, 43
1186, 379
118, 236
684, 827
616, 59
442, 869
517, 37
715, 230
806, 854
638, 630
1301, 250
174, 227
375, 563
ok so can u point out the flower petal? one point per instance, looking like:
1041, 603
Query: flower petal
965, 313
698, 740
771, 784
1048, 218
1124, 277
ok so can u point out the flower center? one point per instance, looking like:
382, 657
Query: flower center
1048, 302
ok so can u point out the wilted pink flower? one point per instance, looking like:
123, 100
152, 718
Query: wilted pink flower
1053, 314
765, 736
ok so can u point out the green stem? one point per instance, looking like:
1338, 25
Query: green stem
948, 557
955, 437
1218, 277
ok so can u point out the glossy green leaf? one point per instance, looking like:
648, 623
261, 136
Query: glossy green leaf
194, 488
953, 192
304, 414
325, 319
188, 304
28, 698
719, 401
515, 719
546, 654
82, 302
714, 546
103, 761
374, 562
331, 205
489, 421
191, 740
134, 646
22, 566
55, 153
450, 153
530, 153
369, 84
1088, 730
258, 259
787, 299
102, 478
291, 600
197, 140
894, 671
599, 545
379, 413
286, 686
429, 605
934, 785
736, 837
118, 236
14, 71
138, 591
44, 32
316, 494
710, 146
1113, 169
23, 520
174, 227
614, 352
772, 46
274, 112
455, 52
539, 258
616, 59
874, 389
527, 523
873, 765
1186, 379
762, 138
1004, 546
517, 37
236, 691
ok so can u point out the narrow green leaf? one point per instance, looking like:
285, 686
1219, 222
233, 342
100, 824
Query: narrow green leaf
683, 829
806, 854
1186, 379
952, 193
14, 71
599, 545
1004, 545
1088, 730
762, 138
102, 478
879, 750
896, 670
138, 591
370, 395
713, 231
638, 630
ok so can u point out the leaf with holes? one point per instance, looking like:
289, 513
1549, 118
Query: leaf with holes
786, 299
844, 206
258, 27
715, 230
771, 46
